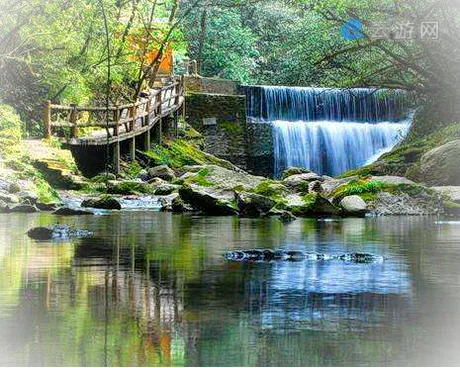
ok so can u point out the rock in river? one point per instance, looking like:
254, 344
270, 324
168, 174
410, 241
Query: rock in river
67, 211
253, 205
57, 232
163, 172
354, 205
24, 208
209, 201
105, 203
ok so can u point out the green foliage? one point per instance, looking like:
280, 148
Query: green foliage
133, 170
271, 189
310, 200
10, 129
309, 205
181, 152
358, 187
200, 178
130, 188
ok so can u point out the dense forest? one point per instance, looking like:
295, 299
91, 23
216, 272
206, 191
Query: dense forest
61, 50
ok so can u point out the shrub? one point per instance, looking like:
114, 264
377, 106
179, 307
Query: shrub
10, 129
359, 187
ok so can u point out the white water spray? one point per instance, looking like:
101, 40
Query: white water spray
330, 131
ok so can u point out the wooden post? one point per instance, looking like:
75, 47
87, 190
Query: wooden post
183, 95
132, 117
116, 119
73, 121
116, 158
160, 108
132, 148
47, 119
147, 108
177, 93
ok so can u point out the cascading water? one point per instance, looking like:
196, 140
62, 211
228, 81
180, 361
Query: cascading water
329, 131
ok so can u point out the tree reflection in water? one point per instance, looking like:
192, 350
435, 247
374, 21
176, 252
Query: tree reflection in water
154, 289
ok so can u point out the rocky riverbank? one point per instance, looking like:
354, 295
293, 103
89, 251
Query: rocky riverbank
180, 177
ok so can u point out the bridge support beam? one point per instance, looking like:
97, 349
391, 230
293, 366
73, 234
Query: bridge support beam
147, 140
160, 132
116, 158
132, 148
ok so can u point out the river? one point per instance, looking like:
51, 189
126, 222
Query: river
154, 289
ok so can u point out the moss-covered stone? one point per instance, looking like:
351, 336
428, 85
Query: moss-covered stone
294, 171
200, 178
129, 188
179, 153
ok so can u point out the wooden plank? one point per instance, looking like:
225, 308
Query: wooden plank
149, 110
47, 119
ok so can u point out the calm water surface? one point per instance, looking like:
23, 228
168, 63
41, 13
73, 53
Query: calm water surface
154, 289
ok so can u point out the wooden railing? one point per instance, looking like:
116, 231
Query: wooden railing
124, 121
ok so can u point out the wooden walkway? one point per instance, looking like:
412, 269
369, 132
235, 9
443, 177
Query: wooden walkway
96, 126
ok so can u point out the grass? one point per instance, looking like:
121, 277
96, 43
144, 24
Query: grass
130, 188
359, 187
180, 152
200, 179
271, 189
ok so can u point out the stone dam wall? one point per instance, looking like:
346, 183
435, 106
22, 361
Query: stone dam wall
215, 108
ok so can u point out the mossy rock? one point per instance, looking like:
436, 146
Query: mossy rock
103, 177
271, 189
294, 171
310, 205
105, 202
200, 178
130, 188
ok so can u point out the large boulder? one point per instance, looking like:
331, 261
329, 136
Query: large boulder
301, 181
57, 232
330, 185
68, 211
253, 205
227, 179
353, 205
310, 205
388, 204
47, 207
166, 189
163, 172
23, 208
209, 201
129, 187
294, 171
104, 203
440, 166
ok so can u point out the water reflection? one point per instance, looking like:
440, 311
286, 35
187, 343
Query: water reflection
154, 289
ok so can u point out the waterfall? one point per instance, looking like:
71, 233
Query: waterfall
329, 131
